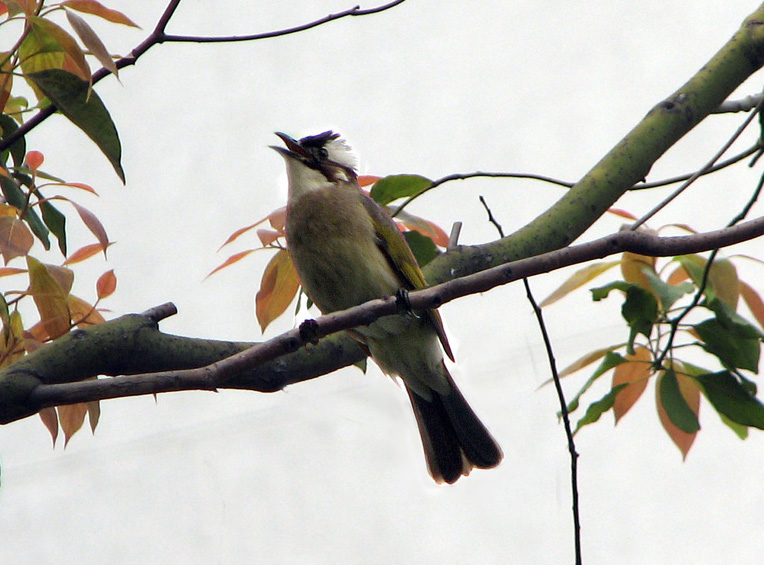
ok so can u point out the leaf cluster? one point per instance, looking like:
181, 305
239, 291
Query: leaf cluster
690, 304
53, 63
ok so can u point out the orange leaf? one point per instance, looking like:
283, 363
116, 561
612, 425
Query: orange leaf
679, 275
71, 417
93, 224
83, 253
231, 260
6, 271
636, 372
578, 279
49, 297
425, 227
366, 180
107, 284
80, 185
278, 288
15, 238
753, 301
97, 9
622, 213
50, 419
34, 159
691, 394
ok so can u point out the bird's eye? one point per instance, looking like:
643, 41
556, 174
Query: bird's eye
323, 153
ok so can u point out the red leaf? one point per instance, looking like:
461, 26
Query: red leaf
34, 159
107, 284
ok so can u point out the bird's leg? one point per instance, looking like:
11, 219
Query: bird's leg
403, 303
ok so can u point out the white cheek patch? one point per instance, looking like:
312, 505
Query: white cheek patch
339, 152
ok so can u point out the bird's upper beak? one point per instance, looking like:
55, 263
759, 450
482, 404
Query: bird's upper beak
292, 150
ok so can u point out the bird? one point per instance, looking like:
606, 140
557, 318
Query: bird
347, 250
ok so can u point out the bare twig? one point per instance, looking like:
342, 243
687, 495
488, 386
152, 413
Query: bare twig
700, 171
158, 35
560, 397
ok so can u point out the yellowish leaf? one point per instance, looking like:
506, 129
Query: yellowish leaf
724, 280
91, 40
83, 314
97, 9
584, 361
691, 395
636, 372
68, 45
578, 279
633, 266
71, 418
278, 288
94, 414
49, 297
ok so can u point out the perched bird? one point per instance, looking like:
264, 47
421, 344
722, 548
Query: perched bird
347, 250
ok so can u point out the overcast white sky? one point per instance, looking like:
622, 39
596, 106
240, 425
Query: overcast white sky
331, 471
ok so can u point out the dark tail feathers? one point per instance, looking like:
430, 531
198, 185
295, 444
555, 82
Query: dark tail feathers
454, 439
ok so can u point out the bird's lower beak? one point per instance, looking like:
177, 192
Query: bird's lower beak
293, 148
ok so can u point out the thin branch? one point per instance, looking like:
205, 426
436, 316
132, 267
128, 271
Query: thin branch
158, 35
560, 397
700, 171
354, 11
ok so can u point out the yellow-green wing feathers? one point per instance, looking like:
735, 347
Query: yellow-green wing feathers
402, 261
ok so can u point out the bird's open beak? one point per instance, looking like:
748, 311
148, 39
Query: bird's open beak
293, 148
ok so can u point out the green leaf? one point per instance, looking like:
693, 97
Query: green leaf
423, 247
56, 221
602, 292
740, 430
70, 95
15, 197
610, 360
19, 148
394, 187
731, 399
597, 409
732, 321
733, 351
677, 409
668, 293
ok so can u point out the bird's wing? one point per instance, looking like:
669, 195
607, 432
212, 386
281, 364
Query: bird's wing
402, 261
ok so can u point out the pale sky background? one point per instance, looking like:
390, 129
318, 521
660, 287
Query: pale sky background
331, 471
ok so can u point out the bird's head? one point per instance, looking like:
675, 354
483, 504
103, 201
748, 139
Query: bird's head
316, 160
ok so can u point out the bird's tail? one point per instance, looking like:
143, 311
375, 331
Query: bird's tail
455, 441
